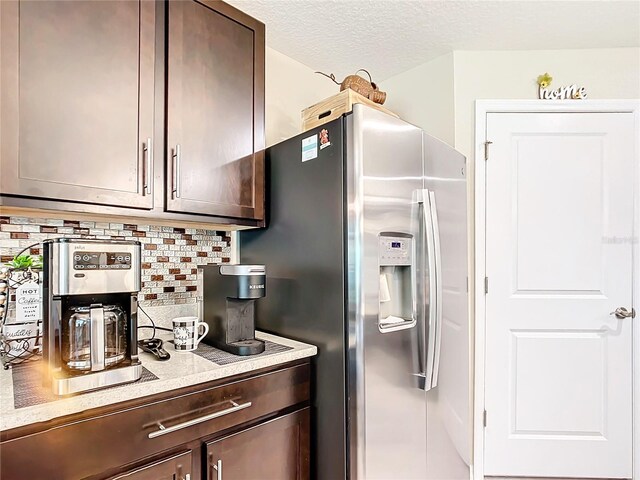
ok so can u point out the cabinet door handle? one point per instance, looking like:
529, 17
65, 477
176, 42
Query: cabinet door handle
179, 476
176, 172
147, 151
218, 468
162, 430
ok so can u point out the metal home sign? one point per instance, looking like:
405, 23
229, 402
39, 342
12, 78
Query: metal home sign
569, 92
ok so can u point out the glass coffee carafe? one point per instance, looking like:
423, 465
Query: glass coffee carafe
88, 347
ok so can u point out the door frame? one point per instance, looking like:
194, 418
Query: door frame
482, 108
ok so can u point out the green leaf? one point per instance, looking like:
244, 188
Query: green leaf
25, 261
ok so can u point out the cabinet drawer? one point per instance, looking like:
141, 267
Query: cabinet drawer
91, 446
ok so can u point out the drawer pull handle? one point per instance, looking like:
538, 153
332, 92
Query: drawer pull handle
162, 430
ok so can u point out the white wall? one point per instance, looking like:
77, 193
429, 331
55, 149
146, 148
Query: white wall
424, 96
606, 74
290, 87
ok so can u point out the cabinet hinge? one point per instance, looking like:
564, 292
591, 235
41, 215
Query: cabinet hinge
484, 418
486, 285
486, 149
467, 284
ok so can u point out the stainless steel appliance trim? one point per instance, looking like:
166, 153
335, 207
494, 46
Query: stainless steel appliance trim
427, 214
51, 330
438, 296
147, 150
243, 270
94, 381
176, 172
60, 269
97, 346
355, 295
162, 430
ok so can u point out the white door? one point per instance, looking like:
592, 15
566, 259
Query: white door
559, 215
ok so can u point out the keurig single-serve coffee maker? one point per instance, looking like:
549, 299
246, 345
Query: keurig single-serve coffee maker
90, 303
228, 296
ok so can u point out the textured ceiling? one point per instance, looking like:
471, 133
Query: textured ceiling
391, 36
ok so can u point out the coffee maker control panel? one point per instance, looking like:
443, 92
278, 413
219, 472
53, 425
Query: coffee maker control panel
86, 266
101, 260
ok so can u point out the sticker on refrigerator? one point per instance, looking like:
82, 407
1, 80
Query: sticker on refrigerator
324, 138
309, 148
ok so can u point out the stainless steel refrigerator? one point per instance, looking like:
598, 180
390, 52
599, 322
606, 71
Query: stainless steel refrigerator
366, 257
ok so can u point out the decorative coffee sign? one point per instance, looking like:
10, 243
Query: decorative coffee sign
28, 302
569, 92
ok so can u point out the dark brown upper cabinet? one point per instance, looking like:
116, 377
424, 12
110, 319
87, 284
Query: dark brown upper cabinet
215, 110
77, 100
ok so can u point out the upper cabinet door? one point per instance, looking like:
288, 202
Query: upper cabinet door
215, 111
76, 104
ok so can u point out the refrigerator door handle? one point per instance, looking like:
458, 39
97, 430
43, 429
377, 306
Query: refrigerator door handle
419, 278
429, 316
438, 288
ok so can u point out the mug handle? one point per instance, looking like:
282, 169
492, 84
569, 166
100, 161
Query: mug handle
206, 330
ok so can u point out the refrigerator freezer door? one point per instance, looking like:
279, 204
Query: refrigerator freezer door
387, 406
448, 405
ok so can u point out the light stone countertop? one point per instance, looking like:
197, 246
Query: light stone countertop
181, 370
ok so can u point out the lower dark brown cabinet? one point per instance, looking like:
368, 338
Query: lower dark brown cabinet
267, 439
177, 467
274, 450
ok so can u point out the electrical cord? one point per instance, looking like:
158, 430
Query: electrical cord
153, 324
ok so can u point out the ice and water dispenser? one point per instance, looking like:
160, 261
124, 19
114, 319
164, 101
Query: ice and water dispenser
397, 309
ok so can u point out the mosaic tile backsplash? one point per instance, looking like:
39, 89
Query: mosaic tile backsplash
170, 256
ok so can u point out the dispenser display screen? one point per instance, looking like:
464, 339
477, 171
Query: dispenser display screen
394, 250
101, 260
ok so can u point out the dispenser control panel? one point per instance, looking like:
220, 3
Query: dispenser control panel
101, 260
395, 250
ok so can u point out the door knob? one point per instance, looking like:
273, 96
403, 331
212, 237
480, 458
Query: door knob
622, 312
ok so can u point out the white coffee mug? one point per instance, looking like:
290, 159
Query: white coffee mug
185, 333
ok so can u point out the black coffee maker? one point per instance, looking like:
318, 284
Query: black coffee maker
90, 303
229, 293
